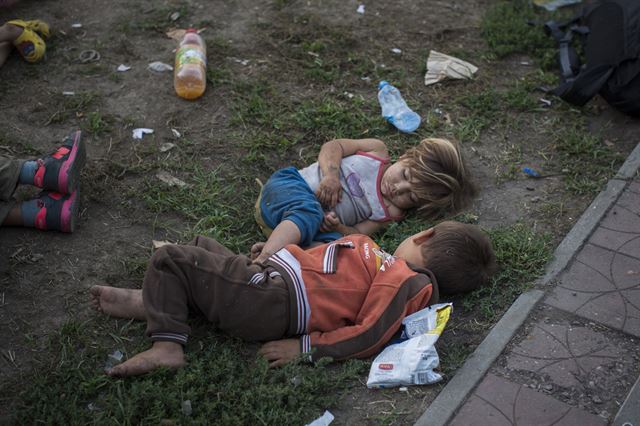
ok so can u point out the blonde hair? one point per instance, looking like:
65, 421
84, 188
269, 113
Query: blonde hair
441, 181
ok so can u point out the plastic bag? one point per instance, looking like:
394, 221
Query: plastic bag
411, 362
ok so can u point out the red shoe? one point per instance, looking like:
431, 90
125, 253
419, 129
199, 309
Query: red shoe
57, 212
59, 171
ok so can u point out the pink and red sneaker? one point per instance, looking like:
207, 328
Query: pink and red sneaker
59, 171
56, 212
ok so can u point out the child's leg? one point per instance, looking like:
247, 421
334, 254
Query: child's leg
118, 302
9, 32
5, 50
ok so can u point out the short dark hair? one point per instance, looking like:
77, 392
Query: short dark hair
460, 256
443, 184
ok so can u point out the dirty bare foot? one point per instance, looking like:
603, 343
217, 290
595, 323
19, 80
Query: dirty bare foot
161, 354
118, 302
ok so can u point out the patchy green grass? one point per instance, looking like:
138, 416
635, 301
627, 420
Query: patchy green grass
522, 255
224, 380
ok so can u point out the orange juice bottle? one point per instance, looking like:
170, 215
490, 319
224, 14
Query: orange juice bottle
190, 71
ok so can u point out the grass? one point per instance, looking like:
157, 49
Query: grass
223, 381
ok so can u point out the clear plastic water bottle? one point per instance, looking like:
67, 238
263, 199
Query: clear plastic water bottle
190, 71
395, 109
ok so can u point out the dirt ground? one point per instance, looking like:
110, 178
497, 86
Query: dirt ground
44, 277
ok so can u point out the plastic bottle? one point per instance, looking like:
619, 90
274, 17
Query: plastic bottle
190, 71
395, 109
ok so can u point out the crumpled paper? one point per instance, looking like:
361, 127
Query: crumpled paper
441, 66
139, 133
552, 5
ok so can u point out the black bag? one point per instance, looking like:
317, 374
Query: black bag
610, 34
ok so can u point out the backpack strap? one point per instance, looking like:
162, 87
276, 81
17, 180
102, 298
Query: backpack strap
585, 85
562, 32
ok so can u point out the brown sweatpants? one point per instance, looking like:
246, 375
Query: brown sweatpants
9, 174
238, 297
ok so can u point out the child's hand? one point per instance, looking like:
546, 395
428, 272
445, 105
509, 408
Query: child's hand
330, 222
256, 249
279, 352
329, 191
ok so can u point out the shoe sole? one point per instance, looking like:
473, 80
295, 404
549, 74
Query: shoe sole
68, 213
70, 169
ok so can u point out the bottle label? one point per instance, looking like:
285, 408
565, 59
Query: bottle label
189, 55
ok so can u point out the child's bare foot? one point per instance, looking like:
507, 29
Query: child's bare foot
118, 302
161, 354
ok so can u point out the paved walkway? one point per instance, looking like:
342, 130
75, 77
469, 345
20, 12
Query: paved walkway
568, 354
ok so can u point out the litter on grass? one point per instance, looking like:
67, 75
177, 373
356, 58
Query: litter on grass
167, 146
160, 67
441, 66
360, 9
412, 360
170, 180
113, 359
531, 172
323, 420
552, 5
139, 133
123, 68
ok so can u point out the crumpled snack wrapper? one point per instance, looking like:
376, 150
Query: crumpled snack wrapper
441, 66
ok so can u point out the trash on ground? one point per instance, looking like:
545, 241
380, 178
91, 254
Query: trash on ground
92, 406
113, 359
160, 67
176, 33
176, 133
243, 62
360, 9
323, 420
90, 55
123, 68
156, 244
68, 93
139, 133
552, 5
531, 172
395, 109
441, 66
396, 51
175, 16
167, 146
546, 102
411, 361
186, 408
76, 25
170, 180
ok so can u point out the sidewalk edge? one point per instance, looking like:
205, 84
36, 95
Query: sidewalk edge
460, 386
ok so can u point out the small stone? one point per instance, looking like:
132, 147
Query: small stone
596, 399
186, 408
530, 188
547, 387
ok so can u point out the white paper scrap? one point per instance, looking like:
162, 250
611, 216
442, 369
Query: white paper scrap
441, 66
360, 9
396, 51
123, 68
160, 67
323, 420
139, 133
170, 180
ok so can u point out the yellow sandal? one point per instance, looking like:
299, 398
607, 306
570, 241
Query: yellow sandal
30, 45
36, 25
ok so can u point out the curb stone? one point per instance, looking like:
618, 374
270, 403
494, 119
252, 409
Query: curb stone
465, 380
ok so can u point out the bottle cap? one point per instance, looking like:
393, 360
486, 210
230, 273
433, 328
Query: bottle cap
192, 30
382, 84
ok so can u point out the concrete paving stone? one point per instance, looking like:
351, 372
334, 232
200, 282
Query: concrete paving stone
566, 354
498, 402
602, 285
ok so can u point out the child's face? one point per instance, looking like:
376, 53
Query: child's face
396, 186
411, 248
